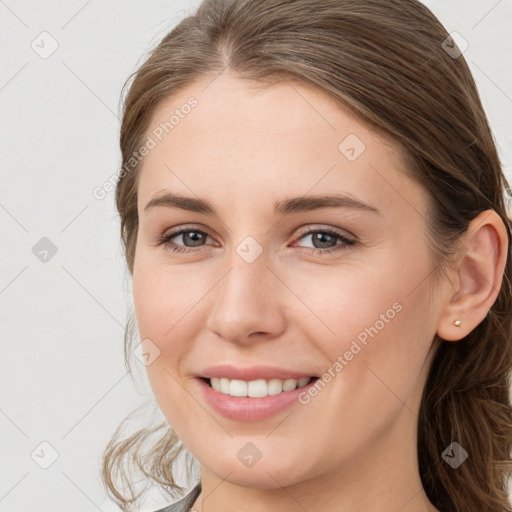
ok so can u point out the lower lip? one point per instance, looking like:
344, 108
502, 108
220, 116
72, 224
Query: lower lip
242, 408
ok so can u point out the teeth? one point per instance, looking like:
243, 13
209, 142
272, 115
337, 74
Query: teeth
274, 386
238, 388
224, 386
302, 382
256, 388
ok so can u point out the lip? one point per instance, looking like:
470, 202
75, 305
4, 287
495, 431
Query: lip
252, 373
241, 408
250, 409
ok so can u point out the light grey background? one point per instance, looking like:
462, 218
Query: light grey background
62, 375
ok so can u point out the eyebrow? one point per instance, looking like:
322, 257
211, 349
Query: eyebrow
287, 206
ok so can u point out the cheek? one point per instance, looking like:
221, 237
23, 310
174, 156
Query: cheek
167, 303
376, 317
394, 330
380, 336
165, 298
345, 302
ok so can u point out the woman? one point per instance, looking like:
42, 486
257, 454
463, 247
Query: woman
313, 213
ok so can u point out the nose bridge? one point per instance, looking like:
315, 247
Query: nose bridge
246, 300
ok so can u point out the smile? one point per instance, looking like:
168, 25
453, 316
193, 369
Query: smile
256, 388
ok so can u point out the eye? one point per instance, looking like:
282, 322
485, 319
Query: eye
325, 240
188, 235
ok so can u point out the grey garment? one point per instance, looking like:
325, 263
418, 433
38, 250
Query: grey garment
185, 504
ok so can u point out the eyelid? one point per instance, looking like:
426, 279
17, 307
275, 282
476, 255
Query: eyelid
308, 228
178, 230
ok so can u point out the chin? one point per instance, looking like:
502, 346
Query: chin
272, 473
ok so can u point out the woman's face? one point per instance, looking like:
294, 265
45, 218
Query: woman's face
304, 254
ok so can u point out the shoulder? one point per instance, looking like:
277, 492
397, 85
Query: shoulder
185, 503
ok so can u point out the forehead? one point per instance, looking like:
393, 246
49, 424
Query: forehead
227, 108
241, 137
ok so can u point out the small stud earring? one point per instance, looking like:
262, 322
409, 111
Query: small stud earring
457, 323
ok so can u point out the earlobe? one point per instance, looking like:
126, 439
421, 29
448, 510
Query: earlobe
479, 274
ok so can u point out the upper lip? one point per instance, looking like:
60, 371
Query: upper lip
250, 373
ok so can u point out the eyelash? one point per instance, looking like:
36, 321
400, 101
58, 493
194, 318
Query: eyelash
166, 239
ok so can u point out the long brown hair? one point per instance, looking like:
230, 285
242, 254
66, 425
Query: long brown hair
389, 63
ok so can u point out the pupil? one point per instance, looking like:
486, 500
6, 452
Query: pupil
196, 237
326, 239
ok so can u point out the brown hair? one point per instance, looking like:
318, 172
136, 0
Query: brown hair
385, 61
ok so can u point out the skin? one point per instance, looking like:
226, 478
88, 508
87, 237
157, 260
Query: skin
353, 446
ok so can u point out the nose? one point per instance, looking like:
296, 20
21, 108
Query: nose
247, 303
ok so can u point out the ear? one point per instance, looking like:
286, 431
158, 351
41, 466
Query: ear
478, 274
